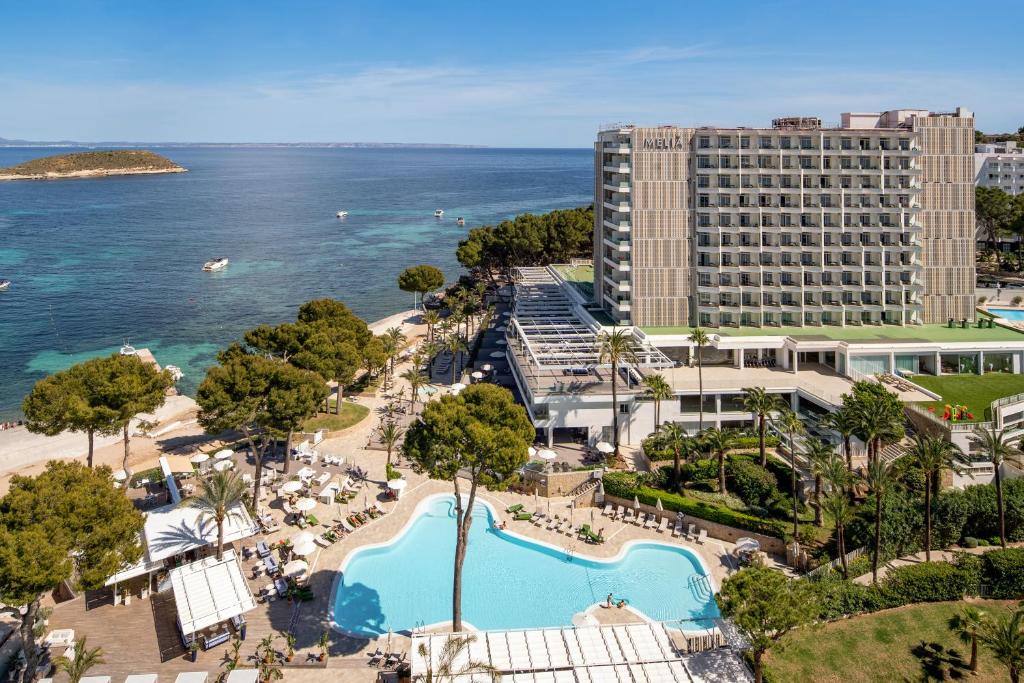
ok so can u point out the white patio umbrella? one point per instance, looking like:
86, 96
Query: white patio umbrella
486, 367
120, 475
304, 549
659, 506
546, 454
223, 465
458, 386
388, 648
477, 375
304, 504
531, 451
223, 454
636, 502
605, 447
397, 485
199, 458
497, 354
293, 486
296, 568
302, 538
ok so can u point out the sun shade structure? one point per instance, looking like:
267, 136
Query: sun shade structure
242, 676
633, 653
208, 592
178, 464
191, 677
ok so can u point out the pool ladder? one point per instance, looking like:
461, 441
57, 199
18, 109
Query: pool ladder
700, 584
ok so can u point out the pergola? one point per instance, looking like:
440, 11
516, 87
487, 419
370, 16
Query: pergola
210, 591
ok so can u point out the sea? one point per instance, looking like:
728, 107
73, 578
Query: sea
96, 263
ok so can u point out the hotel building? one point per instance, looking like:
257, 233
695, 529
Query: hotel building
870, 222
1000, 165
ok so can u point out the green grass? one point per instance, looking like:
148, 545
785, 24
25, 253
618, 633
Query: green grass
865, 333
580, 277
974, 391
906, 644
351, 414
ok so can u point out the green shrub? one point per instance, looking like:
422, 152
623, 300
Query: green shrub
1004, 573
926, 582
625, 485
838, 598
973, 568
700, 470
655, 450
752, 483
970, 542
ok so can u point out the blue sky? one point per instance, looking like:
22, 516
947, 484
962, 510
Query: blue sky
494, 73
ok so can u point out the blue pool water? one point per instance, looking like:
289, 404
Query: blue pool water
508, 582
1008, 313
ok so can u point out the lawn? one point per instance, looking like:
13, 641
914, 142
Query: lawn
906, 644
351, 413
974, 391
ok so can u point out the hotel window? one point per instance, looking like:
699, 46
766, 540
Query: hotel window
703, 142
724, 181
764, 142
704, 220
703, 181
805, 142
884, 143
785, 220
784, 143
766, 220
764, 181
905, 144
864, 143
827, 143
705, 280
703, 200
806, 162
846, 143
744, 200
826, 163
725, 220
724, 142
846, 163
723, 200
764, 200
744, 142
703, 161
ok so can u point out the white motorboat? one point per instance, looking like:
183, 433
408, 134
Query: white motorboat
438, 213
341, 214
215, 264
175, 371
127, 349
460, 220
4, 284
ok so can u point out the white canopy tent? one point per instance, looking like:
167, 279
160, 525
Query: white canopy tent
209, 592
242, 676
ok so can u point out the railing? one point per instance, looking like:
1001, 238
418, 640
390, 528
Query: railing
853, 554
1007, 400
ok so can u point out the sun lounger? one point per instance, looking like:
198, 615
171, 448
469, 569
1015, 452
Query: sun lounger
552, 523
281, 586
663, 525
703, 536
513, 509
677, 530
619, 512
376, 657
523, 516
607, 510
652, 521
691, 531
641, 519
270, 564
628, 516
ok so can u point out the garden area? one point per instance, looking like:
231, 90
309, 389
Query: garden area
911, 643
976, 392
351, 414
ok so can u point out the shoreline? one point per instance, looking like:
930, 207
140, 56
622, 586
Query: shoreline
97, 173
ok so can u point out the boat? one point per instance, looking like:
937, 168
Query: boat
175, 371
215, 264
438, 213
127, 349
4, 284
460, 220
341, 214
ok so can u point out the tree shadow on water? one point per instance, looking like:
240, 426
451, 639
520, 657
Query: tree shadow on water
939, 663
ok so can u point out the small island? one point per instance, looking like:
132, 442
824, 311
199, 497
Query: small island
91, 165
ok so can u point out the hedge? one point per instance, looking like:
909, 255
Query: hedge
655, 452
752, 483
624, 485
926, 582
1003, 571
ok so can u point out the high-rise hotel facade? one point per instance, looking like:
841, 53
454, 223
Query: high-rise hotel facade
870, 222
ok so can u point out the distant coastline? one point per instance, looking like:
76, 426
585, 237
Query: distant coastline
4, 142
91, 165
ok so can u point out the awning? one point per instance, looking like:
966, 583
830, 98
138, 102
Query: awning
176, 529
179, 464
141, 567
208, 592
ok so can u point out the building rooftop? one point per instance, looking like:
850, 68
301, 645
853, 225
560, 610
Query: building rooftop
581, 277
867, 334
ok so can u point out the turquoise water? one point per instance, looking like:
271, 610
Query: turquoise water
1008, 313
94, 262
508, 582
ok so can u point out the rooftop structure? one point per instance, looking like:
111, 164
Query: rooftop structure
210, 591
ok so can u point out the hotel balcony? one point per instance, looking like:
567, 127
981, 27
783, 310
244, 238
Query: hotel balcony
622, 246
617, 187
622, 225
619, 168
622, 266
620, 286
621, 207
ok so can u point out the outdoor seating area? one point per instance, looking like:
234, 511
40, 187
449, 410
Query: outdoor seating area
656, 521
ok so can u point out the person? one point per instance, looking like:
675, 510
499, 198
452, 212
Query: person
622, 603
609, 602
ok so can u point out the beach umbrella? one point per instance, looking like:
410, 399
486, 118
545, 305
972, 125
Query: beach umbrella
304, 549
572, 508
199, 458
605, 447
296, 568
365, 504
659, 506
549, 507
536, 497
591, 515
546, 454
497, 354
120, 475
531, 451
486, 367
304, 504
223, 454
397, 485
293, 486
636, 502
223, 465
477, 375
388, 648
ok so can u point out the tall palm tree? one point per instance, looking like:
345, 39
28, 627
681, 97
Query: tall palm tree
761, 404
448, 667
718, 441
1004, 638
790, 422
659, 390
674, 437
966, 625
616, 347
397, 339
822, 458
390, 434
700, 339
996, 446
220, 497
844, 422
455, 345
430, 318
933, 455
879, 477
838, 507
414, 376
79, 664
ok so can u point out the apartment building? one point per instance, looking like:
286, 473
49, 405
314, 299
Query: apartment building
868, 222
1000, 165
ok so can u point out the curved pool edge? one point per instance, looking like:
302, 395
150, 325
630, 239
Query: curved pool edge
423, 505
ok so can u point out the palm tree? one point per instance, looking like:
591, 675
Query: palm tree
414, 376
84, 659
674, 436
966, 625
446, 669
823, 460
430, 318
791, 423
700, 339
996, 447
933, 455
659, 390
396, 338
761, 404
718, 441
844, 422
838, 506
455, 344
879, 477
220, 496
1004, 638
390, 434
615, 347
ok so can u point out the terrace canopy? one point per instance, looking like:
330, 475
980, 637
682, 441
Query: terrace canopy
208, 592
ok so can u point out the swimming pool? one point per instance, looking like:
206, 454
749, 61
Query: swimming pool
1008, 313
508, 581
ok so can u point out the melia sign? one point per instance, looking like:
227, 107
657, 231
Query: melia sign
663, 143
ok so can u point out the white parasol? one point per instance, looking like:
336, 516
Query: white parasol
296, 568
546, 454
636, 502
293, 486
458, 386
531, 451
303, 549
223, 454
304, 504
497, 354
199, 458
223, 465
397, 484
605, 447
659, 505
486, 367
477, 375
302, 538
120, 475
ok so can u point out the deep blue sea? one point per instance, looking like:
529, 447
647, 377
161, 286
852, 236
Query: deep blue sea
95, 262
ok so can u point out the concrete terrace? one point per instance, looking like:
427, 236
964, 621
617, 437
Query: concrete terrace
859, 334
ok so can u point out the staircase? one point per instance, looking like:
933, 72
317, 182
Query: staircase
895, 451
583, 489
